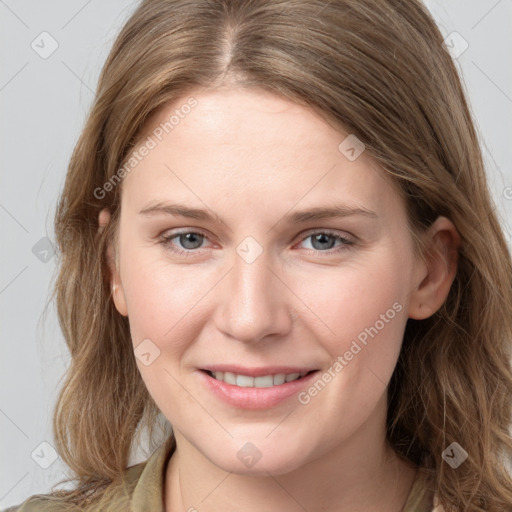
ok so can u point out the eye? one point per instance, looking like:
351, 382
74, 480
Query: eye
324, 241
189, 241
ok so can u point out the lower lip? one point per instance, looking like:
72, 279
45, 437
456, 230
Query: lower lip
254, 398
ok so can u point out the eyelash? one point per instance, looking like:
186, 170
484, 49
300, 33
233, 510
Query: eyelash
346, 242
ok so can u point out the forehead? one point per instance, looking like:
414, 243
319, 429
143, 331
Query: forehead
252, 145
238, 117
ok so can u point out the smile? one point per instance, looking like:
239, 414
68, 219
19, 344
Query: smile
264, 390
265, 381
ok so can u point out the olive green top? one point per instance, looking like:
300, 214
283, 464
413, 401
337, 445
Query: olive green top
144, 490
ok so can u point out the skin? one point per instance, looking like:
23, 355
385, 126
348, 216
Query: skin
251, 157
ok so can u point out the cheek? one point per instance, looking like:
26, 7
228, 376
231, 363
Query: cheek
360, 312
163, 299
163, 306
351, 298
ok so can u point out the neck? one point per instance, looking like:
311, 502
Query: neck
363, 473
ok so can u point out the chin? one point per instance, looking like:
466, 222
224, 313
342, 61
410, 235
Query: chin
258, 458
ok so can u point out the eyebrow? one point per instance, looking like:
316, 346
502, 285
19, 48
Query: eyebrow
326, 212
296, 217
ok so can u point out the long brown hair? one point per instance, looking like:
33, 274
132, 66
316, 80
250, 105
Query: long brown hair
377, 69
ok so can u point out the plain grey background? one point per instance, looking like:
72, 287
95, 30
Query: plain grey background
51, 55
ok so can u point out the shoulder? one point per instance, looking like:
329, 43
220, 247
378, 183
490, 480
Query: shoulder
41, 503
422, 497
140, 485
114, 494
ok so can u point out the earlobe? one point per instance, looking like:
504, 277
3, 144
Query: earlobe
117, 289
118, 298
438, 269
116, 286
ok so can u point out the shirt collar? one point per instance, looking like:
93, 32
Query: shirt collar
148, 493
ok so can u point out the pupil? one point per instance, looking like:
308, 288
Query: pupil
188, 239
321, 238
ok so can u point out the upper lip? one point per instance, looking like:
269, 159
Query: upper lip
257, 372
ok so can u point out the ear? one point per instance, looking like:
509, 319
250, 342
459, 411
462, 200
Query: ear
115, 279
437, 269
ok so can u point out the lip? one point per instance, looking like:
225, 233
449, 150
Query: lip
255, 398
257, 372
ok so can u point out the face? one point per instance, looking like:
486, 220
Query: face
221, 269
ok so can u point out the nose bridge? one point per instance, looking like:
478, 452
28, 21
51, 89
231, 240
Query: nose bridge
254, 305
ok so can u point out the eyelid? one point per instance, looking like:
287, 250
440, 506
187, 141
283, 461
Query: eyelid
346, 238
327, 231
166, 238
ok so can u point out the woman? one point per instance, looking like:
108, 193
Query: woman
276, 232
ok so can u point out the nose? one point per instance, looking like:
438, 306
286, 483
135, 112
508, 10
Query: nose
253, 302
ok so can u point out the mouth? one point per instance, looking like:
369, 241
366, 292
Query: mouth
264, 389
262, 381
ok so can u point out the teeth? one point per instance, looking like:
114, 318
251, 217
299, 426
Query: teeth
229, 378
267, 381
280, 378
244, 382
